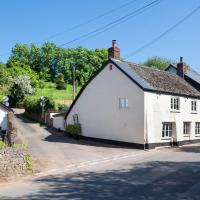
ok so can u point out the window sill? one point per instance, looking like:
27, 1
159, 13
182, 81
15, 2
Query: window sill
166, 138
186, 136
175, 111
197, 136
194, 112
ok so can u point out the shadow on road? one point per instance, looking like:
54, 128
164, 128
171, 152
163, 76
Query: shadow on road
148, 181
57, 136
26, 119
60, 137
189, 149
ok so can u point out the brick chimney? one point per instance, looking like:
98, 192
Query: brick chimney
181, 68
114, 51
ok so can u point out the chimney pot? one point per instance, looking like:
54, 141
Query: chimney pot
113, 43
114, 51
181, 68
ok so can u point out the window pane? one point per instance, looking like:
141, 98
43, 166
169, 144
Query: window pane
175, 104
167, 130
126, 102
197, 128
186, 128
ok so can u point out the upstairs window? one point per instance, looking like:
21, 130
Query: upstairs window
186, 128
123, 103
197, 128
167, 130
194, 106
175, 103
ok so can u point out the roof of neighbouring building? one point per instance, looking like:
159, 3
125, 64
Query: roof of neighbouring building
61, 113
192, 74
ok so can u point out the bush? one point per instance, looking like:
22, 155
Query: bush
21, 87
63, 107
73, 129
60, 82
32, 104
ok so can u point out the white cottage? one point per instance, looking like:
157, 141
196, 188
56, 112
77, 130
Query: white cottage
3, 117
58, 121
133, 105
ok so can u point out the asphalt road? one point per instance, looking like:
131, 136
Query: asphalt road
53, 151
110, 173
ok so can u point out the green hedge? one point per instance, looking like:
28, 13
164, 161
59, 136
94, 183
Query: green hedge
73, 129
32, 104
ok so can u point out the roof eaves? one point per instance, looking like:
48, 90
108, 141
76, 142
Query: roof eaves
6, 107
124, 67
83, 88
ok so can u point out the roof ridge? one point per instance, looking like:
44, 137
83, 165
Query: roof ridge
151, 68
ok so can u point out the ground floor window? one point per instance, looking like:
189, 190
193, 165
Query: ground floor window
197, 128
186, 128
167, 129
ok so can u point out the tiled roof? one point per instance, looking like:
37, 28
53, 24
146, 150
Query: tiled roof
148, 79
192, 74
157, 80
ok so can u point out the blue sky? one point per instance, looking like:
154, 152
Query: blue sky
33, 21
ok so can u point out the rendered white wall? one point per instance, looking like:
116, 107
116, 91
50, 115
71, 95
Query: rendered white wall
3, 119
157, 110
58, 122
98, 108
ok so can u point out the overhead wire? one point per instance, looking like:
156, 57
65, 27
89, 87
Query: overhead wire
164, 33
89, 20
113, 23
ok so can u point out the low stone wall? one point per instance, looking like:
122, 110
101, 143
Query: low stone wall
12, 162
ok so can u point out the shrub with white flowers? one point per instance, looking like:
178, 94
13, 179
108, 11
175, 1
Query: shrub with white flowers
21, 87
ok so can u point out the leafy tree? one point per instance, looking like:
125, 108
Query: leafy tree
85, 61
16, 68
60, 82
158, 62
49, 60
21, 87
4, 80
20, 53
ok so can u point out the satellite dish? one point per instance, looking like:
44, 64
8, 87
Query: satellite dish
5, 99
42, 98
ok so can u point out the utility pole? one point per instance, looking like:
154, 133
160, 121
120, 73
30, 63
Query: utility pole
74, 81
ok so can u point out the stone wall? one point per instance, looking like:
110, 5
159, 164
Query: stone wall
12, 163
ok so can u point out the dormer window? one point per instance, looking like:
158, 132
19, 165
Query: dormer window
175, 103
193, 105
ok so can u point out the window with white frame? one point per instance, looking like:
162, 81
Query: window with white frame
123, 103
197, 128
167, 130
186, 128
194, 105
175, 103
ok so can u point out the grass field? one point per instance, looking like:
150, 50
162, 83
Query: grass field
50, 91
